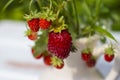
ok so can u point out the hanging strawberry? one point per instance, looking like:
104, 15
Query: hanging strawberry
34, 24
47, 59
91, 62
33, 20
60, 44
86, 54
57, 62
31, 35
60, 66
109, 54
38, 56
59, 39
46, 18
44, 24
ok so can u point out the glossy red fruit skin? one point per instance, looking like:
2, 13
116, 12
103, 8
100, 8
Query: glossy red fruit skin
91, 62
86, 56
108, 57
34, 24
59, 44
32, 36
44, 24
47, 60
38, 56
60, 67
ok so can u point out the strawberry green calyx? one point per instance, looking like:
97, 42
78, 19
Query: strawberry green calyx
56, 61
109, 50
57, 29
87, 50
32, 15
58, 25
47, 14
28, 32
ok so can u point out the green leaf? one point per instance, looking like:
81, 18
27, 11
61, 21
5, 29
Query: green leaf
41, 43
104, 32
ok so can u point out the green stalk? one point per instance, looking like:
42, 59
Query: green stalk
7, 4
38, 2
97, 9
30, 5
77, 17
50, 4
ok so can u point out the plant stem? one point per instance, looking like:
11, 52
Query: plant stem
30, 4
7, 4
50, 4
77, 17
38, 2
97, 10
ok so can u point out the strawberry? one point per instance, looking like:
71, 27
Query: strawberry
59, 44
57, 62
91, 62
108, 57
44, 23
109, 54
47, 59
86, 54
34, 24
36, 56
32, 36
60, 66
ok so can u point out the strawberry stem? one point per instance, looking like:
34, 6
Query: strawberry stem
50, 4
30, 5
77, 18
109, 50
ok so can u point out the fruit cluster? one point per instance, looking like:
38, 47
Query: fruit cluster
53, 40
87, 56
59, 40
34, 25
90, 60
49, 59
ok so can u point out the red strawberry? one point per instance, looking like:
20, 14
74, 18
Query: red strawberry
37, 56
91, 62
34, 24
60, 66
57, 62
60, 44
108, 57
44, 24
32, 36
109, 54
47, 60
86, 54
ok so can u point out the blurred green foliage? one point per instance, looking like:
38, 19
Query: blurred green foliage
78, 11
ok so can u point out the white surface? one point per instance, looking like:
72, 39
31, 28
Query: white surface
15, 49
